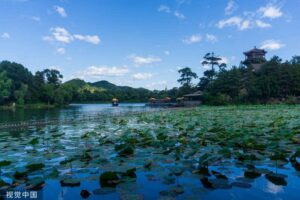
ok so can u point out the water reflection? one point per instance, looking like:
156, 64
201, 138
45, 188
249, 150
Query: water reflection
70, 112
273, 189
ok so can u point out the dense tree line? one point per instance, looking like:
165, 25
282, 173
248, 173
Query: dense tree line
18, 85
274, 81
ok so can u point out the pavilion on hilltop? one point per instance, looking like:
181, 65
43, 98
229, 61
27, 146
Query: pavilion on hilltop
255, 58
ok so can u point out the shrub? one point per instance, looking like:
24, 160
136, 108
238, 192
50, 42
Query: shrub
291, 100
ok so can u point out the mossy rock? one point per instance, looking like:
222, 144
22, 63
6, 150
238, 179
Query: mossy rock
109, 179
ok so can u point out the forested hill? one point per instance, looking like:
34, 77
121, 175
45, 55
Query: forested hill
18, 85
104, 91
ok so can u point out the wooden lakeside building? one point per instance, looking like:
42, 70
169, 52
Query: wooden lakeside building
188, 100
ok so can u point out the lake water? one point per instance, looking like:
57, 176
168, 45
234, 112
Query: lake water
94, 129
73, 111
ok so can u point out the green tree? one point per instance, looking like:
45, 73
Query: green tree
53, 76
49, 93
21, 93
212, 60
186, 77
5, 86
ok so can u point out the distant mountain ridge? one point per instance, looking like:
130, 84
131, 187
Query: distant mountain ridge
104, 91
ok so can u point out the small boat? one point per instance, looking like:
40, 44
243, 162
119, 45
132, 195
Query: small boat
114, 102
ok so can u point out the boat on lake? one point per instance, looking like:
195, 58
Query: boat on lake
114, 102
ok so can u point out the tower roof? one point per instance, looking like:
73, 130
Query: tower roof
255, 51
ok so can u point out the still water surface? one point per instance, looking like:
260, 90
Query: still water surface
72, 111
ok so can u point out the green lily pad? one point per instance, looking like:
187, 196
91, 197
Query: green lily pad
104, 191
252, 174
131, 197
173, 191
206, 183
34, 141
2, 183
130, 173
35, 167
20, 175
277, 179
109, 179
219, 175
4, 163
36, 183
70, 182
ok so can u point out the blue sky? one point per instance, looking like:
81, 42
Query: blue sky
142, 43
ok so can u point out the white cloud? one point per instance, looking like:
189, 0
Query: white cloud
60, 50
94, 39
60, 34
5, 36
55, 67
167, 52
211, 38
105, 71
142, 76
164, 8
224, 60
232, 21
231, 7
35, 18
271, 45
60, 10
273, 189
239, 22
179, 15
270, 11
245, 25
168, 10
192, 39
139, 60
262, 24
157, 85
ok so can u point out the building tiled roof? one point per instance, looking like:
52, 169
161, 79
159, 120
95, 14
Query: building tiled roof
198, 93
255, 51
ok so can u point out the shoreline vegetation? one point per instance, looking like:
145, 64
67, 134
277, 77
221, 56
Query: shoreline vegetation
274, 81
28, 106
46, 106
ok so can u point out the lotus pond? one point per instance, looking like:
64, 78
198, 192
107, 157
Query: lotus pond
245, 152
